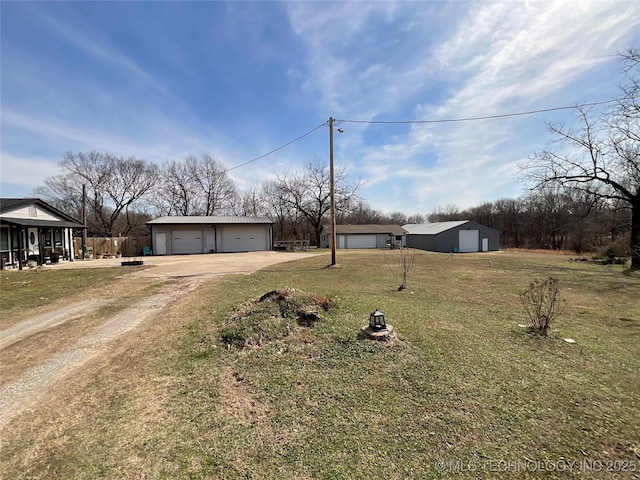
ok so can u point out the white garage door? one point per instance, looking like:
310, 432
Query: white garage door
469, 240
244, 239
186, 241
361, 241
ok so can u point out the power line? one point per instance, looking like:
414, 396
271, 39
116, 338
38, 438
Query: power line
279, 148
486, 117
407, 122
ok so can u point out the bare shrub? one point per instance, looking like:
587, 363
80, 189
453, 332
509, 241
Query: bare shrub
542, 303
402, 264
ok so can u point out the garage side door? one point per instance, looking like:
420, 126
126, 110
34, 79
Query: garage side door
361, 241
186, 241
244, 239
469, 240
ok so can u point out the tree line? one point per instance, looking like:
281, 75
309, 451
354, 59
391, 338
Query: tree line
584, 188
124, 193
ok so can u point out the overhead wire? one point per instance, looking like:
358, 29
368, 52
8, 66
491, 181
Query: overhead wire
279, 148
407, 122
484, 117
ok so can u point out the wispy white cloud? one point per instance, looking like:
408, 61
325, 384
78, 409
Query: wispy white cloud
92, 42
503, 57
30, 171
363, 60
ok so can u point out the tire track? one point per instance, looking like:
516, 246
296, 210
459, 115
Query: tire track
27, 390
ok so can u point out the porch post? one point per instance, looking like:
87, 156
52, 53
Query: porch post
71, 244
40, 246
20, 238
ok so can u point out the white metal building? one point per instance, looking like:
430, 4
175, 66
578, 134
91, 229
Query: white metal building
218, 234
363, 236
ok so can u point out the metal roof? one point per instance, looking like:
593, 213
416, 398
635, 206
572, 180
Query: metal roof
8, 205
202, 220
30, 222
431, 228
367, 229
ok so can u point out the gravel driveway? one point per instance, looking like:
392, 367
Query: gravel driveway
179, 274
195, 265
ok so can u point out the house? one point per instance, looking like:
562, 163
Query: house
461, 236
363, 236
222, 234
33, 230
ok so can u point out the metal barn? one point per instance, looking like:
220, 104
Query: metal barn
461, 236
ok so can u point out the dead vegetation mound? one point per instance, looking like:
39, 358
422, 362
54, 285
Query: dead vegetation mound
273, 316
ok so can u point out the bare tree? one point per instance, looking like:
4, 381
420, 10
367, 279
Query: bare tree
251, 202
415, 218
602, 155
278, 209
196, 186
177, 192
216, 190
115, 185
308, 192
360, 213
444, 214
131, 179
401, 263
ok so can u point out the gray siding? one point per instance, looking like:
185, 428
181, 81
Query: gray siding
448, 241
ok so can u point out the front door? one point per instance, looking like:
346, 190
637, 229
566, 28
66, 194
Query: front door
33, 243
161, 244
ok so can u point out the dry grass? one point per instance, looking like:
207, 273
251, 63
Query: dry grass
35, 347
464, 381
28, 292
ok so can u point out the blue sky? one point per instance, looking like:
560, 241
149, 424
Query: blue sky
161, 80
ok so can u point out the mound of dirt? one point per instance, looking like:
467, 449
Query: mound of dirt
273, 316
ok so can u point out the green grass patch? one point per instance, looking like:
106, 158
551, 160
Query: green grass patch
463, 383
27, 289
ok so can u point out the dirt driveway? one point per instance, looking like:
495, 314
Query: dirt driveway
44, 349
195, 265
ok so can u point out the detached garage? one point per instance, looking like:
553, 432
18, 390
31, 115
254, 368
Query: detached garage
363, 236
462, 236
221, 234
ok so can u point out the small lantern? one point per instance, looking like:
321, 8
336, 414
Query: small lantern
376, 321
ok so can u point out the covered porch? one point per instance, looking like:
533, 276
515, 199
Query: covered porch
39, 241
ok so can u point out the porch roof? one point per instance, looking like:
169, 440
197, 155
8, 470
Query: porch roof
30, 222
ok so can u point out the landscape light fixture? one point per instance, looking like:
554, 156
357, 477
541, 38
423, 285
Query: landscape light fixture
376, 321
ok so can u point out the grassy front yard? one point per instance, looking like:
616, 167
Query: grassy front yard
464, 385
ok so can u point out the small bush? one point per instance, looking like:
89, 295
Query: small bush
613, 254
542, 303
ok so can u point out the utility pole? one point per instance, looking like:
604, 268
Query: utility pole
84, 221
332, 194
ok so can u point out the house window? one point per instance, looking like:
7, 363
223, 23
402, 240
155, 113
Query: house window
4, 239
46, 233
57, 237
33, 211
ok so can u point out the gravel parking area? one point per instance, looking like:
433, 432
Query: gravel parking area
179, 275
